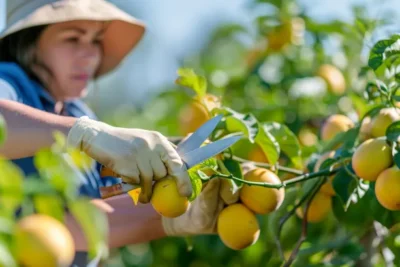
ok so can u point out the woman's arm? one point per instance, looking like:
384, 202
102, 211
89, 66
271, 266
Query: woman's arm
29, 129
128, 223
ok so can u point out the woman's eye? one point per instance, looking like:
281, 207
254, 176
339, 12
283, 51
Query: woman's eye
97, 41
73, 39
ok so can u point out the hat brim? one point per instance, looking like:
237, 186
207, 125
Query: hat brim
122, 34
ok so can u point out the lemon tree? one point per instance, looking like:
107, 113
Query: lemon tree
320, 129
321, 135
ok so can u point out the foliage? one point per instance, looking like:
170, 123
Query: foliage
275, 94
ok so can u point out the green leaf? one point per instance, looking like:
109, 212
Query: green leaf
3, 130
355, 216
60, 139
396, 97
396, 159
197, 174
210, 163
350, 138
287, 205
229, 29
347, 254
238, 122
6, 255
63, 175
196, 184
268, 144
94, 224
333, 143
6, 225
359, 103
187, 77
363, 71
287, 141
51, 205
11, 185
34, 185
372, 91
381, 86
203, 176
373, 111
386, 217
189, 243
233, 167
334, 26
344, 185
328, 163
393, 132
312, 161
381, 50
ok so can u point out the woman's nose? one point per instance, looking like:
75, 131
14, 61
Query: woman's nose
89, 50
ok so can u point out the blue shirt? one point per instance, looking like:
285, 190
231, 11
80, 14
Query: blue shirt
16, 85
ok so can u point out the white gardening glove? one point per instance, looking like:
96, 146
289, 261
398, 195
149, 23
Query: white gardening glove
137, 156
202, 215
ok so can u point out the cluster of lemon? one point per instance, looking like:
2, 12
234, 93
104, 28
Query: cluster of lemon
371, 161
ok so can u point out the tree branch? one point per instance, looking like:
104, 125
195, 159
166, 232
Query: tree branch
303, 236
267, 165
283, 220
301, 178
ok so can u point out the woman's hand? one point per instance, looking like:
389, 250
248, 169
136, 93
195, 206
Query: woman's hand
202, 215
138, 156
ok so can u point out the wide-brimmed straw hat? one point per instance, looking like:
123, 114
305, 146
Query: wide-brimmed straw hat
122, 35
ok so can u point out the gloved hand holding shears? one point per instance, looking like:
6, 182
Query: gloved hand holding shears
140, 157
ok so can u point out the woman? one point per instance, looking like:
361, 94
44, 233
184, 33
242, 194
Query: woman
49, 51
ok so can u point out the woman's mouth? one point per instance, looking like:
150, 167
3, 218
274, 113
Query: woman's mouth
81, 77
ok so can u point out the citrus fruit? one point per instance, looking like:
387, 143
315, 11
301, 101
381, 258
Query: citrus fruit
319, 208
237, 226
166, 199
41, 240
371, 158
288, 32
196, 113
334, 125
387, 188
261, 200
381, 122
257, 155
333, 77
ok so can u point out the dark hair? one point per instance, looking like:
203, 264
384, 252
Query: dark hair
19, 47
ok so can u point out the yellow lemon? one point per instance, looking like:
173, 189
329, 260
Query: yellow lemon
41, 240
237, 226
166, 199
319, 208
262, 200
371, 158
387, 188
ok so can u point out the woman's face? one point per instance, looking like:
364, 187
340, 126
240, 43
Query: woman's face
68, 55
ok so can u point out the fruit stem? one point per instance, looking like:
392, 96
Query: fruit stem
267, 165
301, 178
311, 175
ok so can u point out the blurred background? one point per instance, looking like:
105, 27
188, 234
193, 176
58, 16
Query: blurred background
180, 29
258, 56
